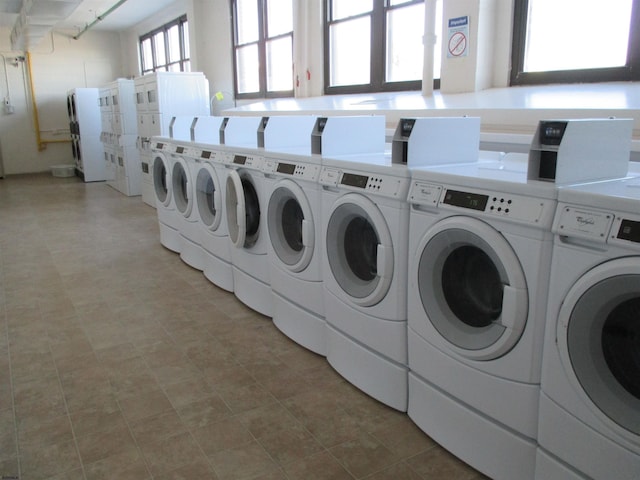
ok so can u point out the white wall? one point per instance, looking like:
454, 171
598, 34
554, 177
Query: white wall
59, 64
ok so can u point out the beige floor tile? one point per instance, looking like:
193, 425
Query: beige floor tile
289, 443
243, 462
148, 404
437, 463
171, 453
321, 466
38, 461
152, 429
123, 466
7, 435
402, 437
363, 456
189, 391
200, 470
107, 443
51, 431
203, 412
97, 418
225, 434
395, 472
246, 397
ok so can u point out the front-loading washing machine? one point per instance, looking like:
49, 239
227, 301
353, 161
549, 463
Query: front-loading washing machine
246, 221
365, 221
480, 248
183, 174
589, 424
209, 197
163, 154
293, 204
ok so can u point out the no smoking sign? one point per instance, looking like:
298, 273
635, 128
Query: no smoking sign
458, 43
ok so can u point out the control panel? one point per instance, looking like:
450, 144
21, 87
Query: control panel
379, 184
298, 170
244, 160
519, 208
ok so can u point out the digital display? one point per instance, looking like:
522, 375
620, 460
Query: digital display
352, 180
239, 159
205, 154
145, 167
551, 132
159, 146
473, 201
320, 124
287, 168
629, 230
406, 126
180, 150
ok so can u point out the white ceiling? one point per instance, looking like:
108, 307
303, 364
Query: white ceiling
128, 14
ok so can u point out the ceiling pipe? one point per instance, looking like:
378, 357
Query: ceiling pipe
99, 18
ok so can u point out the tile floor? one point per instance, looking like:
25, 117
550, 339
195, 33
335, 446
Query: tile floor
118, 361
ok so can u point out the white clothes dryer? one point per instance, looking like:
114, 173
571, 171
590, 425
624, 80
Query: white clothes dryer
480, 248
590, 393
293, 205
365, 220
246, 222
162, 150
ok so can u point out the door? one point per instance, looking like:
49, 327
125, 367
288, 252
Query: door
181, 186
598, 337
161, 183
359, 249
472, 287
291, 225
208, 197
243, 209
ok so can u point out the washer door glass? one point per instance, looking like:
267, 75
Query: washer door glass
181, 185
160, 183
599, 338
243, 210
208, 197
359, 249
472, 287
291, 226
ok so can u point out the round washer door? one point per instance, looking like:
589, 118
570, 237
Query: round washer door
291, 226
161, 183
181, 186
243, 210
359, 249
598, 336
472, 287
209, 197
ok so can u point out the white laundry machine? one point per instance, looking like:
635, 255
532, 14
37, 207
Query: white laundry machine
183, 175
590, 393
163, 153
209, 198
365, 221
480, 248
245, 212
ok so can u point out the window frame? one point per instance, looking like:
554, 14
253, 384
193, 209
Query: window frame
180, 22
377, 75
263, 39
629, 72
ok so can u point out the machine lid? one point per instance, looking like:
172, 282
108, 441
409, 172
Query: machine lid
291, 225
472, 287
208, 195
161, 183
359, 249
181, 186
598, 337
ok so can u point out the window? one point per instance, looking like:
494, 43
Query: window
373, 45
263, 48
166, 49
575, 41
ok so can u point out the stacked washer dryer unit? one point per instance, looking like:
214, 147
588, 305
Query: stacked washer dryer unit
183, 173
590, 391
209, 190
365, 220
245, 212
159, 97
293, 201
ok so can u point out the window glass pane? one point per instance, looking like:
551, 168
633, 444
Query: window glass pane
173, 35
576, 34
279, 65
158, 42
393, 3
347, 8
279, 17
147, 55
163, 68
174, 67
405, 53
186, 66
350, 52
247, 21
248, 71
185, 39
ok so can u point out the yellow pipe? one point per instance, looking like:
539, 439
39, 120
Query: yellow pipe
42, 144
